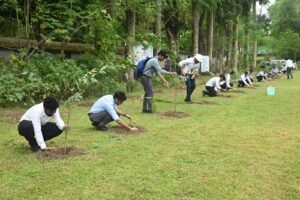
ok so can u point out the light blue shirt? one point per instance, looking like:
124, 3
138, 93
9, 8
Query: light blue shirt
106, 103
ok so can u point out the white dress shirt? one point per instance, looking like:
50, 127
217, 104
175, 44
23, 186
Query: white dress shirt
214, 82
289, 63
36, 114
189, 66
244, 78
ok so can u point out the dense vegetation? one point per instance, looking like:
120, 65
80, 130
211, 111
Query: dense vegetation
230, 32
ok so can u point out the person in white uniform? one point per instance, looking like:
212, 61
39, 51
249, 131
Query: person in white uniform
189, 68
36, 129
213, 85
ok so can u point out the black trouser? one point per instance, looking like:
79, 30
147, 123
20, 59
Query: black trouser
190, 87
100, 119
260, 78
148, 96
210, 91
224, 86
289, 72
49, 131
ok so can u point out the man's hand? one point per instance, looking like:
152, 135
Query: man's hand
51, 149
166, 83
66, 127
134, 129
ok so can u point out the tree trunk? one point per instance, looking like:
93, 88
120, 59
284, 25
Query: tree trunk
130, 26
158, 25
254, 36
201, 35
110, 7
196, 16
235, 46
210, 38
27, 10
230, 47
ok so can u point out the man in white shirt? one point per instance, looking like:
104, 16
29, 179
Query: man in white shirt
189, 68
261, 76
105, 110
213, 85
289, 67
36, 129
245, 80
226, 84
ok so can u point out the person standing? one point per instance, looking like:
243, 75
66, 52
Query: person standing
36, 129
189, 68
153, 67
289, 67
213, 85
226, 84
105, 110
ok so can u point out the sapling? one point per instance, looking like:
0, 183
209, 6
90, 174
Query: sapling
177, 83
74, 98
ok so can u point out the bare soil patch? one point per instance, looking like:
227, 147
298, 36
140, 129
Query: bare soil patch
237, 91
122, 130
226, 95
60, 153
11, 116
85, 104
205, 102
175, 114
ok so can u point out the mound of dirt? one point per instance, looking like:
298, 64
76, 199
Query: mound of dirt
237, 91
122, 130
175, 114
205, 102
11, 116
226, 96
60, 153
85, 104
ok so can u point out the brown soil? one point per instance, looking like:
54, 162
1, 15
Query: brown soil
205, 102
237, 91
226, 95
175, 114
85, 104
122, 130
11, 116
60, 153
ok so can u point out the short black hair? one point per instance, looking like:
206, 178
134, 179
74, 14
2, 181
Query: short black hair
222, 76
120, 95
50, 103
232, 72
163, 53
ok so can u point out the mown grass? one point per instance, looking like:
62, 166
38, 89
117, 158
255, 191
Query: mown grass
244, 147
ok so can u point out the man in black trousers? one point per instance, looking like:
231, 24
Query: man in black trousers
36, 129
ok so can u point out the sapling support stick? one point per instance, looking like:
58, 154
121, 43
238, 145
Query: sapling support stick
76, 97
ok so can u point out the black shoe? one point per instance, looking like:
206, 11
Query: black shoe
35, 148
188, 101
147, 111
102, 128
94, 124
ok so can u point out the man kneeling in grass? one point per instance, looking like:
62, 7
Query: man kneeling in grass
213, 85
105, 110
36, 129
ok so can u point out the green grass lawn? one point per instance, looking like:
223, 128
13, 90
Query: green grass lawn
244, 147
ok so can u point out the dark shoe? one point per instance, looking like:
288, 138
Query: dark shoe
188, 101
35, 148
102, 128
94, 124
147, 111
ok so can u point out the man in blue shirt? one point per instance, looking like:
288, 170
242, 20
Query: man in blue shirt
105, 110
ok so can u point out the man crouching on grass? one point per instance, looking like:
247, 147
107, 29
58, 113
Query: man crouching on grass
105, 110
36, 129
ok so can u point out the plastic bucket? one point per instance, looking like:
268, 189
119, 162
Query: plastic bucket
270, 91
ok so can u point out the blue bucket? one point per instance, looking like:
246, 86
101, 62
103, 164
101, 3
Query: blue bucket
270, 91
